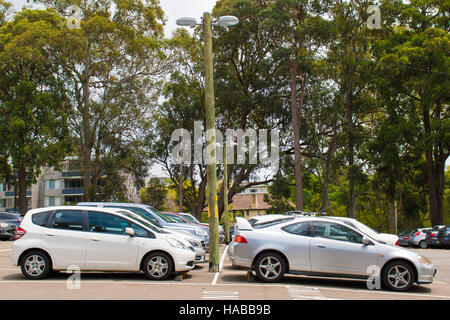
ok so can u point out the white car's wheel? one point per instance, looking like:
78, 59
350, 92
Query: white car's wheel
158, 266
35, 265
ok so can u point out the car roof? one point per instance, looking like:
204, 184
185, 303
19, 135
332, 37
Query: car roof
123, 204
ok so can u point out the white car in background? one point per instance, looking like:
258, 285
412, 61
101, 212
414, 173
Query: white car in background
56, 238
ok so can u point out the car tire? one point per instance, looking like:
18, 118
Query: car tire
270, 267
423, 245
398, 276
35, 265
158, 266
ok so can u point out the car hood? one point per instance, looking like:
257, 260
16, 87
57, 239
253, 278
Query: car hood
390, 239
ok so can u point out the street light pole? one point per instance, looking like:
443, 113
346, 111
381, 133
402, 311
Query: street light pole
211, 161
211, 171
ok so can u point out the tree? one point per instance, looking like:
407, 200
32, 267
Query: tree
298, 30
154, 193
111, 63
33, 104
416, 55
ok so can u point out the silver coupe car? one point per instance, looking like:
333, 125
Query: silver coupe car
318, 246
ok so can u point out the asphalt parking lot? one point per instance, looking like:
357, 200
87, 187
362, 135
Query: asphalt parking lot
199, 284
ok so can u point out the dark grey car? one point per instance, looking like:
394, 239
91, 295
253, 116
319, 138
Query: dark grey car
8, 225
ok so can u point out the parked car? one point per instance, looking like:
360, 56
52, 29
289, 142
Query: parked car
189, 218
444, 237
156, 217
418, 237
8, 224
432, 239
403, 238
56, 238
196, 242
316, 246
390, 239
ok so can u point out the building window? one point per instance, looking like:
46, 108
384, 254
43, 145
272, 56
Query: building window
52, 201
52, 184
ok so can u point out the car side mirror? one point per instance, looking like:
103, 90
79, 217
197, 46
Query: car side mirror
366, 241
129, 231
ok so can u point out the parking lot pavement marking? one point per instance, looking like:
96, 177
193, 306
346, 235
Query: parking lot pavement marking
222, 259
306, 293
219, 295
3, 250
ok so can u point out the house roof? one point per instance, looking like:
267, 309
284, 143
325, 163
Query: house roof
249, 201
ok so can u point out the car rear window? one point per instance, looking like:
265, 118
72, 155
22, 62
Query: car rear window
40, 218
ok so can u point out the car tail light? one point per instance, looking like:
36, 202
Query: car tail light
432, 235
19, 233
418, 233
240, 239
396, 243
406, 238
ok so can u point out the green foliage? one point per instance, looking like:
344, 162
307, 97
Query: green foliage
154, 193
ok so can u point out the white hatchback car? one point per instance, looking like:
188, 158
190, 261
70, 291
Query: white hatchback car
59, 238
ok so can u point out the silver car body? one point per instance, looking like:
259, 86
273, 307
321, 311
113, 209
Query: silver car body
309, 255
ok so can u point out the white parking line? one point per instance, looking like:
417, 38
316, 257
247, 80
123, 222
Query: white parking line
222, 259
306, 293
220, 295
3, 250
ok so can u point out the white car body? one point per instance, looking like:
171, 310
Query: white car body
90, 250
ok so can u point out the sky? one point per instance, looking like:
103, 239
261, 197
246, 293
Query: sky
173, 9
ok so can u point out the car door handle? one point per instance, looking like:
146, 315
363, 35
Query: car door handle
321, 246
95, 239
50, 234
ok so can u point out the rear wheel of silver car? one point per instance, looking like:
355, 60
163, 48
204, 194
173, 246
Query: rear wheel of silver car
398, 276
423, 245
270, 267
158, 266
35, 265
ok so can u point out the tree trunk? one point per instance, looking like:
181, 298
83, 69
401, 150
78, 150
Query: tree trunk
435, 174
296, 123
22, 181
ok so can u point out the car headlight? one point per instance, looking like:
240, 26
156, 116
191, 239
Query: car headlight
424, 260
176, 244
201, 232
193, 242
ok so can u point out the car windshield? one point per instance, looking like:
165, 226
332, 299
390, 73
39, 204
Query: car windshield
176, 218
159, 214
143, 220
140, 212
190, 218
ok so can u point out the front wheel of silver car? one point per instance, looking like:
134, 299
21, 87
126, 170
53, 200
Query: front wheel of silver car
398, 276
270, 267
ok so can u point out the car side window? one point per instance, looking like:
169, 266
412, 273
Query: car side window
68, 220
112, 224
336, 232
301, 229
40, 218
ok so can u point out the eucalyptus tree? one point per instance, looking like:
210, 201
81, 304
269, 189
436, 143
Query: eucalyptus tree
298, 30
33, 104
414, 63
112, 58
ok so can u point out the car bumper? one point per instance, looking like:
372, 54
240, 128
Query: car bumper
426, 274
237, 256
7, 232
184, 260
